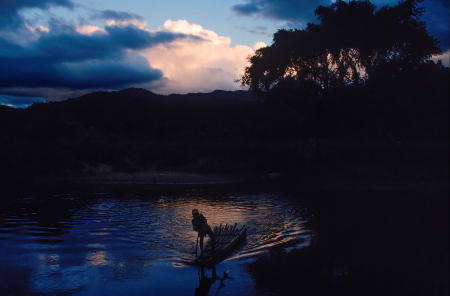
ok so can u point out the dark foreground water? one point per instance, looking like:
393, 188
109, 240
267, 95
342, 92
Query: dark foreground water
104, 243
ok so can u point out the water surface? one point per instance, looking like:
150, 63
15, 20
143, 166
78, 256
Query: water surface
109, 244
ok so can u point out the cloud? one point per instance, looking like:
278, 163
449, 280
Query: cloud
444, 58
132, 37
85, 57
118, 15
89, 29
61, 58
437, 19
258, 45
299, 12
9, 10
285, 10
121, 18
258, 30
92, 72
197, 65
55, 59
250, 8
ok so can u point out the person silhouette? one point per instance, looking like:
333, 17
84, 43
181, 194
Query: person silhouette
200, 224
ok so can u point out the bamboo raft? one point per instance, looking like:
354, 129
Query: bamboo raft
226, 239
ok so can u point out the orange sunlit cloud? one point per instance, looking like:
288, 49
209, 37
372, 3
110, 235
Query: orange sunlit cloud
198, 65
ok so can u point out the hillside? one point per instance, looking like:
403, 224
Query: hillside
126, 130
350, 137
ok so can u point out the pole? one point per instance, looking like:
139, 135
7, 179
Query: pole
196, 247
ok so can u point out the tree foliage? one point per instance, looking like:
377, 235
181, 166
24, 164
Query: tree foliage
352, 43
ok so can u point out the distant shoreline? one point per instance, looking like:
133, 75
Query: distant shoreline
155, 177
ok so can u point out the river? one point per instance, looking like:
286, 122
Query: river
136, 242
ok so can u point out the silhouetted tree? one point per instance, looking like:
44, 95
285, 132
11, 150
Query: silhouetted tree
352, 43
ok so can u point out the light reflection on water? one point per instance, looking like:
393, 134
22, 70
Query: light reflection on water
116, 246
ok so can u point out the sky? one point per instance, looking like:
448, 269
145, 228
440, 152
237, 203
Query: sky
56, 49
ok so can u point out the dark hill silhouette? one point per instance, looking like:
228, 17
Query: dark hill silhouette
128, 130
135, 104
221, 94
4, 108
135, 129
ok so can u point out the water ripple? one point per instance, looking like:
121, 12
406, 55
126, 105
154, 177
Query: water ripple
121, 237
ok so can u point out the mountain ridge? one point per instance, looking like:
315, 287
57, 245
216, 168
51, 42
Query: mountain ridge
142, 94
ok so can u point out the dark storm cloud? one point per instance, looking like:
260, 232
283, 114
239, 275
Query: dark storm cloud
247, 8
299, 12
118, 15
132, 37
65, 58
289, 10
437, 19
42, 62
9, 10
66, 44
94, 73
